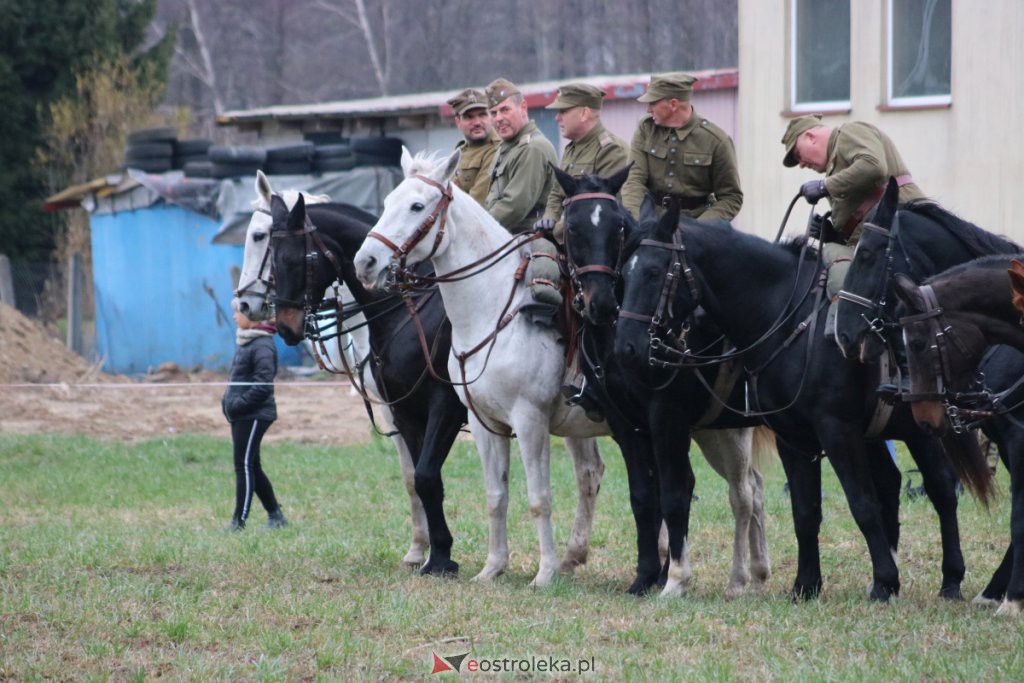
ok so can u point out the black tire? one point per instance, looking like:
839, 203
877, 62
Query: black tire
331, 165
237, 155
198, 169
146, 150
333, 152
152, 165
382, 146
222, 170
368, 159
184, 148
288, 168
300, 152
152, 135
180, 161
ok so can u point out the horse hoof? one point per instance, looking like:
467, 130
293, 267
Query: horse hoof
1009, 608
641, 586
880, 593
543, 579
802, 593
980, 600
488, 574
734, 591
673, 589
445, 568
951, 593
414, 558
569, 564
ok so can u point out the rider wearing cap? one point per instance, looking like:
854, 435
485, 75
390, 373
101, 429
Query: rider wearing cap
479, 143
681, 157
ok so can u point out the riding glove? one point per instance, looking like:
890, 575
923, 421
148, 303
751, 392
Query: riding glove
813, 190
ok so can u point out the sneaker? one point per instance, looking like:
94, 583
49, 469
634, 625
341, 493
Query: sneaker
277, 520
236, 525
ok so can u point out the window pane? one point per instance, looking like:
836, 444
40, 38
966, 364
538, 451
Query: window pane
822, 51
920, 42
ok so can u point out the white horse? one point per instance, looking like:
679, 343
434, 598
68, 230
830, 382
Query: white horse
252, 298
511, 385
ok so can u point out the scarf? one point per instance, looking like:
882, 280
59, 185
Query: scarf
244, 336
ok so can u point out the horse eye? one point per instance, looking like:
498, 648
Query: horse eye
259, 237
417, 207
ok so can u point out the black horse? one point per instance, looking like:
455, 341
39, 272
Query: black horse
768, 301
652, 424
427, 411
949, 323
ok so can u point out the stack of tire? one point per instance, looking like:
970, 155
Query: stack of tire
190, 156
377, 151
236, 161
333, 158
290, 159
151, 150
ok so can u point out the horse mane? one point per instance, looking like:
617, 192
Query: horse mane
423, 163
978, 241
992, 262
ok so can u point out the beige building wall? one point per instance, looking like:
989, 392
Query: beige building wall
969, 156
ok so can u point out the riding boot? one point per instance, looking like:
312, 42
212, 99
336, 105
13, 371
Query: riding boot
585, 398
890, 392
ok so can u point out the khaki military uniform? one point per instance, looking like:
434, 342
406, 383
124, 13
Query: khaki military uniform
521, 179
696, 163
599, 152
860, 161
473, 176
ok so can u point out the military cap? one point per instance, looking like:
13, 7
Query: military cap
470, 98
796, 128
578, 95
500, 90
677, 85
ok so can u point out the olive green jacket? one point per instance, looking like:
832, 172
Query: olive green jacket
473, 176
697, 160
860, 160
521, 179
598, 152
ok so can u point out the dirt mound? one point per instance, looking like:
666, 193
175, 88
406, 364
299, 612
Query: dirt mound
28, 353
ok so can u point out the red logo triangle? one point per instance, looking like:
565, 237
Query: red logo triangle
440, 665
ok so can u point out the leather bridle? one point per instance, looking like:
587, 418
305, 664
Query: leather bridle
259, 279
574, 270
877, 319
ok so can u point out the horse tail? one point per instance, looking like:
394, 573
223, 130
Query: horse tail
970, 464
763, 448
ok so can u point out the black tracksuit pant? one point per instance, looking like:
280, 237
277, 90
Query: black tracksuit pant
249, 476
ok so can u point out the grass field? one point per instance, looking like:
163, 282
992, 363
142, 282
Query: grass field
114, 565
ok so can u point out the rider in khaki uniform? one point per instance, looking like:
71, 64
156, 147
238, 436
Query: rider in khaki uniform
592, 149
679, 156
479, 145
520, 175
857, 160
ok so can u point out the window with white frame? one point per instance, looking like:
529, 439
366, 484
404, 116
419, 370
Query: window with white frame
919, 52
819, 55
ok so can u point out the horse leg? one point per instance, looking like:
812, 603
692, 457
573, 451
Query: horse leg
671, 441
1005, 436
729, 454
493, 451
1013, 605
760, 563
443, 423
531, 428
940, 485
846, 451
804, 477
589, 468
420, 529
886, 477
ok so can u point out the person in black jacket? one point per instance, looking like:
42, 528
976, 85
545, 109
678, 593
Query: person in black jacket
249, 406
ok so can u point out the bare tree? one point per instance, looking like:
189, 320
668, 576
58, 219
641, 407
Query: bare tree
201, 68
375, 37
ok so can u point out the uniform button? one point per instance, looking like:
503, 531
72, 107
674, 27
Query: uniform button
673, 150
670, 173
672, 162
653, 150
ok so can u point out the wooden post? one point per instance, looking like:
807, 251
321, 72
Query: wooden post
6, 281
74, 340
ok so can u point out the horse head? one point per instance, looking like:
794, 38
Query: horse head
411, 228
254, 292
859, 309
302, 267
942, 357
654, 300
595, 230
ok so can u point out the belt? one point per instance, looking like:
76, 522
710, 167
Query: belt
685, 202
871, 200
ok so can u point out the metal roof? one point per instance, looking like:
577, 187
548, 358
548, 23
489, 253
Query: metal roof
539, 93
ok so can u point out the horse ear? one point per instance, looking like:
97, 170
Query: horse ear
567, 182
1016, 272
907, 292
406, 161
278, 211
263, 189
647, 214
669, 221
297, 216
887, 205
618, 179
450, 167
